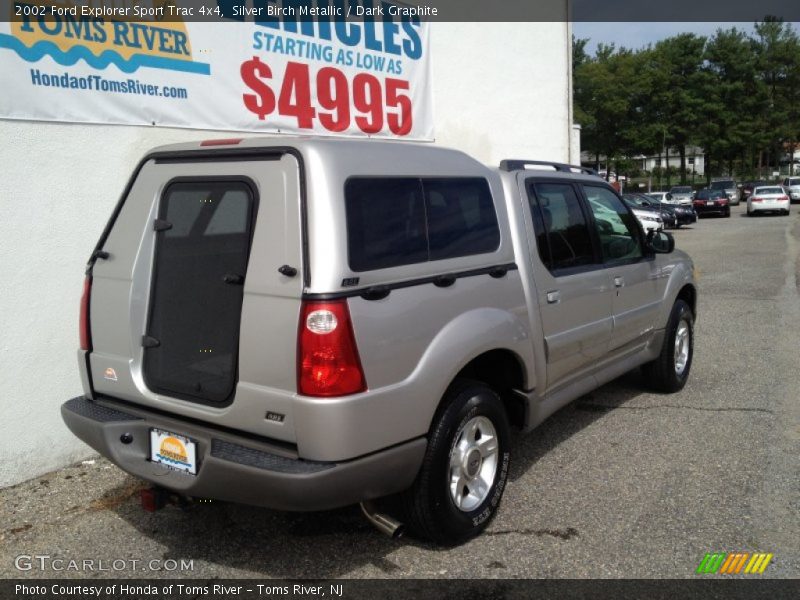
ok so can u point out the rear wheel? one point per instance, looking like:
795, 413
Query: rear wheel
463, 475
669, 372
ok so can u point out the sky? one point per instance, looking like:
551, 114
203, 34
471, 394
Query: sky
638, 35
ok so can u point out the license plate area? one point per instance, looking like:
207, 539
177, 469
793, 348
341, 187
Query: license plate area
173, 450
710, 203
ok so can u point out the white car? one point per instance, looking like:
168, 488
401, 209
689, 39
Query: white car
681, 195
649, 220
792, 187
770, 198
668, 198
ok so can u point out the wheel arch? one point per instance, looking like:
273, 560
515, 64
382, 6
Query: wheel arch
503, 371
688, 293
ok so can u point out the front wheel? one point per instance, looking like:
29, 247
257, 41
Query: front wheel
669, 372
463, 475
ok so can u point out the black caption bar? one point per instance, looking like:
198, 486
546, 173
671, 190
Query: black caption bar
423, 10
418, 589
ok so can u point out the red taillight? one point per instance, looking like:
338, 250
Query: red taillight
327, 357
783, 198
85, 333
755, 199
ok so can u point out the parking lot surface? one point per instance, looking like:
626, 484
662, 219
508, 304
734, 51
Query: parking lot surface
622, 483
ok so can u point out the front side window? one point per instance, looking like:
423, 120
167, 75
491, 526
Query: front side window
616, 226
564, 240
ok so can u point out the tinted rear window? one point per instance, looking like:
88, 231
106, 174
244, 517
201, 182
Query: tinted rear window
461, 217
385, 223
722, 185
401, 221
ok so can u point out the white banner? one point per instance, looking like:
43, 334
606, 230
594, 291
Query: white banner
302, 71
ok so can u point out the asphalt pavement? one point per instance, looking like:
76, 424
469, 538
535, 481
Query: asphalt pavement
622, 483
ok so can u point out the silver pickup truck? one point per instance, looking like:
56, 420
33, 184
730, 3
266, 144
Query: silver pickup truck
304, 324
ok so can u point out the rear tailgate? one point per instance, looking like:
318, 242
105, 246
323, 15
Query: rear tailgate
189, 313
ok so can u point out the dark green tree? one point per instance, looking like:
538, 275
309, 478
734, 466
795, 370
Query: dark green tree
677, 77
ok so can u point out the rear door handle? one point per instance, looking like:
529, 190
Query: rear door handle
553, 297
619, 281
233, 278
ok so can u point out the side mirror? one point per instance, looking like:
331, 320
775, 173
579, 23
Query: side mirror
660, 242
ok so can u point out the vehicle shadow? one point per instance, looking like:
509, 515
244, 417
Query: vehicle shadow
571, 419
230, 540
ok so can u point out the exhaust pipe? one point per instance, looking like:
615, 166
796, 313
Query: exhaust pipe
383, 523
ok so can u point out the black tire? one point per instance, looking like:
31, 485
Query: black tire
661, 373
728, 213
429, 507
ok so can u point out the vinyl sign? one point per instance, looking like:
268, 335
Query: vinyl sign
266, 66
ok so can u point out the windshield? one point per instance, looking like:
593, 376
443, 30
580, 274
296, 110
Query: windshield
794, 181
637, 200
681, 190
769, 190
722, 185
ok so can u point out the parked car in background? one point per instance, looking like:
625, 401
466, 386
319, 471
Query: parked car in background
729, 187
650, 219
682, 194
642, 202
792, 187
684, 213
710, 201
747, 188
662, 197
770, 198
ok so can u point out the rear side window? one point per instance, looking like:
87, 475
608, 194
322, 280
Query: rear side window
385, 223
401, 221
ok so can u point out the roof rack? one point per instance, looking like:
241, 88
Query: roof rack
516, 165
